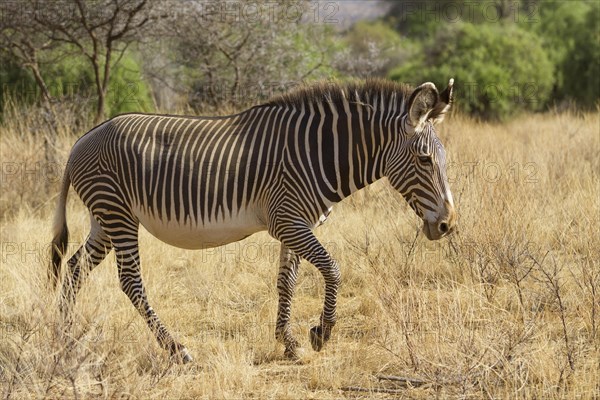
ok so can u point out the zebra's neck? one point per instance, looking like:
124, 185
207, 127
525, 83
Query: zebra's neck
341, 141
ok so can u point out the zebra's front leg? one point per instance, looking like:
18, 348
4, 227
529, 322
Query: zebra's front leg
303, 242
319, 335
130, 277
286, 282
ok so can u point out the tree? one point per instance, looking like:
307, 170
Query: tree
22, 42
235, 53
370, 49
99, 30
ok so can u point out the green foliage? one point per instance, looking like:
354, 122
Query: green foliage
568, 32
421, 19
127, 91
316, 48
570, 36
555, 22
71, 79
417, 19
499, 68
582, 65
15, 83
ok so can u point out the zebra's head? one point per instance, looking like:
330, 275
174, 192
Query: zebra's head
416, 166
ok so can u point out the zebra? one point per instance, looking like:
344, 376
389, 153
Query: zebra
198, 182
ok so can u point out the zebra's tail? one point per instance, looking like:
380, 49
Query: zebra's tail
60, 230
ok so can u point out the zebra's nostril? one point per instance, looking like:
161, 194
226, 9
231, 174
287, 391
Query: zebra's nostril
443, 227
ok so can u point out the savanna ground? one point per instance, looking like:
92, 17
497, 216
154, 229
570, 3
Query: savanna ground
508, 307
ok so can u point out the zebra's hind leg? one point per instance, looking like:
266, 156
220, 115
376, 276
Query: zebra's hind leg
85, 259
286, 282
301, 240
130, 277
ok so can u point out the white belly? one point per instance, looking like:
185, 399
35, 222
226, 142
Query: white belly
190, 235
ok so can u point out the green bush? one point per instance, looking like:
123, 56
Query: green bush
570, 36
582, 65
422, 19
71, 79
15, 83
499, 69
128, 92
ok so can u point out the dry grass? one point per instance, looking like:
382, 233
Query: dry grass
507, 308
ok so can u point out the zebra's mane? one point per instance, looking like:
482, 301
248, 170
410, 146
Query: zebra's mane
335, 91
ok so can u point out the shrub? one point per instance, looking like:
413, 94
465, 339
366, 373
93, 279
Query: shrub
500, 68
70, 79
570, 36
582, 65
15, 82
370, 49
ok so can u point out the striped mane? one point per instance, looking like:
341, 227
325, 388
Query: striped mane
361, 91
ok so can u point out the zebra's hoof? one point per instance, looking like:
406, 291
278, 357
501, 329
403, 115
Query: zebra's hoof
317, 338
182, 356
293, 353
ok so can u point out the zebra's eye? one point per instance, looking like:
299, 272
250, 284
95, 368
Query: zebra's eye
425, 160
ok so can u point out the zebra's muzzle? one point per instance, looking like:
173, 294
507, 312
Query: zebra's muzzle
435, 231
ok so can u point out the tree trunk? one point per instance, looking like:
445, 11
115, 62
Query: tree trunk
102, 85
100, 90
100, 106
46, 96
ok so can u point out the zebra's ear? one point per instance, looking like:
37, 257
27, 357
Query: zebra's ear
444, 103
421, 104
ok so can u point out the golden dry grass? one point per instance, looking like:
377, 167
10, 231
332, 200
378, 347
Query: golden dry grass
509, 307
